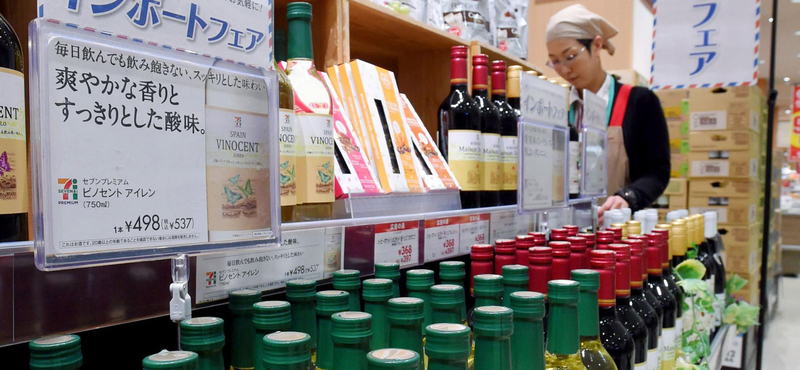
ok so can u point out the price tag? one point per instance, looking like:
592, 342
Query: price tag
334, 258
397, 242
543, 102
474, 230
441, 238
732, 349
300, 256
502, 225
523, 223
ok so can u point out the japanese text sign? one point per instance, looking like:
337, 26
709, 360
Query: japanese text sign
543, 102
239, 30
397, 242
794, 152
594, 153
705, 43
543, 167
594, 111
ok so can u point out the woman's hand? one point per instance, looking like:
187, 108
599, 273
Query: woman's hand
612, 202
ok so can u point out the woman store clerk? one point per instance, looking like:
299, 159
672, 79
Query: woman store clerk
638, 141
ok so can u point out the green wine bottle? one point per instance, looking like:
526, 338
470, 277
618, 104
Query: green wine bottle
391, 271
493, 327
268, 317
447, 346
204, 336
300, 293
287, 350
59, 352
377, 293
329, 302
240, 304
454, 273
527, 342
406, 315
349, 281
418, 284
171, 360
488, 290
515, 279
447, 300
351, 334
393, 359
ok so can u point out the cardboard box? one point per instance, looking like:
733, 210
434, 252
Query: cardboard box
730, 211
743, 254
671, 102
725, 187
731, 108
724, 163
679, 166
739, 235
723, 140
676, 187
678, 201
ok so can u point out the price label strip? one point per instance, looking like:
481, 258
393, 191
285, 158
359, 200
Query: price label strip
397, 242
474, 230
300, 256
442, 238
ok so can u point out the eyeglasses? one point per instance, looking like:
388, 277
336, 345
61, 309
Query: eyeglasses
566, 61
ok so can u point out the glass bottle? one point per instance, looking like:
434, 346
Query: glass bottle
57, 352
418, 284
560, 235
603, 239
447, 300
639, 303
287, 350
448, 346
540, 270
633, 227
349, 281
572, 230
329, 302
515, 279
625, 312
351, 333
204, 336
505, 253
590, 242
391, 271
705, 257
393, 359
481, 256
493, 327
512, 84
563, 343
301, 293
615, 338
492, 176
715, 247
406, 315
286, 137
527, 342
377, 293
268, 317
561, 259
539, 238
488, 290
593, 355
655, 284
574, 162
240, 304
171, 360
453, 272
508, 133
523, 243
671, 281
578, 259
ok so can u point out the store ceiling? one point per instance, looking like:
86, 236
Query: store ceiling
787, 51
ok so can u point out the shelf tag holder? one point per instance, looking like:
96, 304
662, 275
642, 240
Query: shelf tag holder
180, 306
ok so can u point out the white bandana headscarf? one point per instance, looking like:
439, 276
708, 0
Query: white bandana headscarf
577, 22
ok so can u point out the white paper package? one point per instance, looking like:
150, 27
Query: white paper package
511, 31
468, 19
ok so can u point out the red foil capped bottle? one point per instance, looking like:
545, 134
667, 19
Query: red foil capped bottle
653, 255
590, 241
505, 253
481, 262
664, 237
578, 259
540, 270
617, 233
559, 234
572, 230
604, 238
622, 269
539, 238
637, 244
604, 261
523, 242
561, 263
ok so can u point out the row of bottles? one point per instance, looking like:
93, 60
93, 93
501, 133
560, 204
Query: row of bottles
478, 134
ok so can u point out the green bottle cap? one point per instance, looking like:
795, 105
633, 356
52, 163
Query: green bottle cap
515, 275
287, 350
447, 296
406, 311
493, 321
447, 342
298, 10
241, 301
452, 271
377, 290
272, 315
562, 291
528, 305
589, 279
202, 334
300, 290
346, 279
393, 359
351, 327
330, 302
387, 270
171, 360
62, 352
488, 286
419, 279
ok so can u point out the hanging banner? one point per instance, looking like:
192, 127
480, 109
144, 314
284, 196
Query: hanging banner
794, 151
709, 43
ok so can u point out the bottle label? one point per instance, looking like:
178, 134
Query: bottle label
642, 365
464, 156
509, 158
574, 173
653, 360
237, 174
315, 158
708, 319
287, 168
13, 152
678, 334
492, 162
668, 349
719, 309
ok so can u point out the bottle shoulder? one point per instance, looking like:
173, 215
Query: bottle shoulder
563, 362
643, 308
631, 320
595, 357
614, 336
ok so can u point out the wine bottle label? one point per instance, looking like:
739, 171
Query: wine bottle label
644, 365
653, 360
492, 162
237, 174
464, 156
509, 158
668, 349
574, 173
287, 168
708, 319
678, 334
13, 152
719, 308
315, 157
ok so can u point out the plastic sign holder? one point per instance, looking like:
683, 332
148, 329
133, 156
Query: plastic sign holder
594, 149
543, 139
140, 151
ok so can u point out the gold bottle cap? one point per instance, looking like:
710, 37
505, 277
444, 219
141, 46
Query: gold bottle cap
678, 236
634, 227
512, 83
624, 229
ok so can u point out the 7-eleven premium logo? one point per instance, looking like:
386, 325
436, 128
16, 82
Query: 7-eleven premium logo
211, 278
70, 188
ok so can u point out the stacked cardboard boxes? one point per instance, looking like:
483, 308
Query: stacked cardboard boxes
675, 104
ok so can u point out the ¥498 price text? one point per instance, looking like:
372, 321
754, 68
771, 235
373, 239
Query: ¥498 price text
302, 270
155, 223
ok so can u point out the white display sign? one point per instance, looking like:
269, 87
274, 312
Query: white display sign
125, 163
441, 238
299, 257
543, 172
397, 242
705, 44
543, 102
474, 229
334, 243
503, 225
236, 30
595, 111
595, 162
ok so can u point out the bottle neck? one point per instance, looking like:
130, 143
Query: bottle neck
437, 364
608, 313
406, 336
562, 329
458, 87
487, 301
447, 316
498, 97
300, 46
483, 93
496, 352
623, 301
588, 314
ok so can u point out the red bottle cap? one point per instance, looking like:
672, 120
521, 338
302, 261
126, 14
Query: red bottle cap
604, 238
505, 246
540, 255
617, 233
482, 252
622, 269
577, 244
559, 234
499, 77
590, 239
539, 238
524, 241
664, 237
572, 230
653, 255
638, 268
604, 261
458, 65
480, 72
